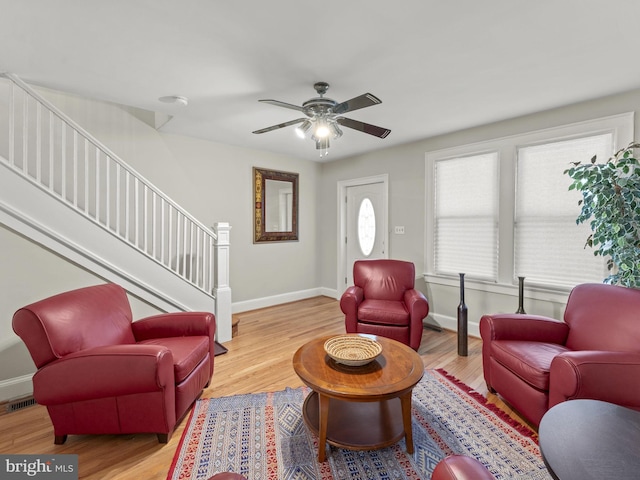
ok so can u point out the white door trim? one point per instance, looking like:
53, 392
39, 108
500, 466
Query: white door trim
342, 221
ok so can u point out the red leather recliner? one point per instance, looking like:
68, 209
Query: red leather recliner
384, 302
536, 362
101, 373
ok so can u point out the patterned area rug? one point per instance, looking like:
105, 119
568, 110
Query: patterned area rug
263, 437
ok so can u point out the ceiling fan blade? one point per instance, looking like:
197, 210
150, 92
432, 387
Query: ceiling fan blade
278, 103
365, 100
280, 125
364, 127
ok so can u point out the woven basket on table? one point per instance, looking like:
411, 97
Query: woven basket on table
352, 349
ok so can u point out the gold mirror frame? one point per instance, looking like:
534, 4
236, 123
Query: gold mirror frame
262, 205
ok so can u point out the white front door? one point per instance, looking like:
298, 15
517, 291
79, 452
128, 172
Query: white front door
365, 225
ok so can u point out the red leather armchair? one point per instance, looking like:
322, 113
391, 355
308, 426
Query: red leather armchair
384, 302
100, 373
535, 362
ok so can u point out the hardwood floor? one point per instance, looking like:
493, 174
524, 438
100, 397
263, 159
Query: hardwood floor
258, 359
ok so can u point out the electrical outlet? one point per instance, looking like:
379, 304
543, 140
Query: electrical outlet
399, 230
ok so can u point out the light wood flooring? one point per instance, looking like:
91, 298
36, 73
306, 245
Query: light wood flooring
258, 360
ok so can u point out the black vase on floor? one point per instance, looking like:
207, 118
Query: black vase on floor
521, 295
462, 321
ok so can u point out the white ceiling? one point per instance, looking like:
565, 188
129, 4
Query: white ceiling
438, 66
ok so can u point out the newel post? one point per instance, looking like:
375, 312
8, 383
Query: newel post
221, 288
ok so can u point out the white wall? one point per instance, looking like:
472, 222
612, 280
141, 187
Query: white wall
405, 166
222, 189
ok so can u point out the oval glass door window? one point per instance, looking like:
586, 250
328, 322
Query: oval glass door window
366, 227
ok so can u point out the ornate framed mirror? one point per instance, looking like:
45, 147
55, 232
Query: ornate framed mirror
276, 206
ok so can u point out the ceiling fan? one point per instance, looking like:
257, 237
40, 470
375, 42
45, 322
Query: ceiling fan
323, 117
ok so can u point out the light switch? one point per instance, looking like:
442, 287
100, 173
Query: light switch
399, 230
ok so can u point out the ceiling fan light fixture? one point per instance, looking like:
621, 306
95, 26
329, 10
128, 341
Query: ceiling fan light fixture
322, 129
335, 130
322, 144
303, 129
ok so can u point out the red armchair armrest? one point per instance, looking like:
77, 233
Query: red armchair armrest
417, 304
534, 328
107, 371
418, 307
179, 324
351, 298
609, 376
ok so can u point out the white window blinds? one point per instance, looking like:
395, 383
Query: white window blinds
466, 216
549, 246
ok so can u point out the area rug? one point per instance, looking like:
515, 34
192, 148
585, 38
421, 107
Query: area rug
264, 437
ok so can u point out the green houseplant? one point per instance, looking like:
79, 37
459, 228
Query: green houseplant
611, 202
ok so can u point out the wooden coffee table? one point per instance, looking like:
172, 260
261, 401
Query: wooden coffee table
359, 408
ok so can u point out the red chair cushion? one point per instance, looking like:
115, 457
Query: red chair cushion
383, 312
531, 361
187, 353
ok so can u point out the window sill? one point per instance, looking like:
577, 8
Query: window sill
536, 292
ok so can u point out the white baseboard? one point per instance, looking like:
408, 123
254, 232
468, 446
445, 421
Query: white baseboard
17, 387
451, 323
254, 304
330, 292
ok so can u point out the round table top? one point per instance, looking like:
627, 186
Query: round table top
396, 370
590, 439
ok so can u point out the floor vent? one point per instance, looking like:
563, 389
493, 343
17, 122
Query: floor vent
20, 404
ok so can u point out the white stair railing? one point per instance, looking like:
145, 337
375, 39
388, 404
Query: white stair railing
52, 151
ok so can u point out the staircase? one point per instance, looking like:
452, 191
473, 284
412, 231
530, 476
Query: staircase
63, 189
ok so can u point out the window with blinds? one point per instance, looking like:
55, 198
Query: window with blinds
549, 246
502, 208
466, 216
